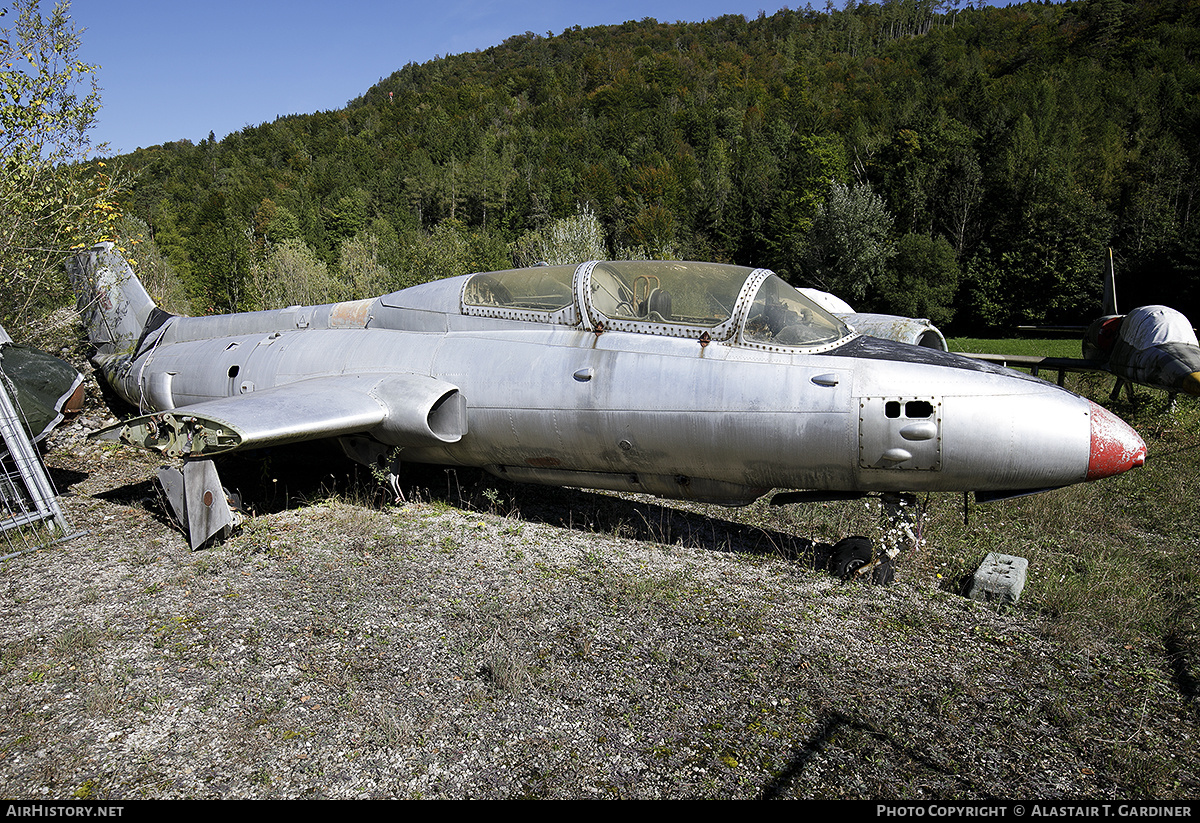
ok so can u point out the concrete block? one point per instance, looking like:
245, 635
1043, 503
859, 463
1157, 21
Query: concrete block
999, 579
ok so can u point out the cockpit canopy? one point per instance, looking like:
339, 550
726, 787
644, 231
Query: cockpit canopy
678, 299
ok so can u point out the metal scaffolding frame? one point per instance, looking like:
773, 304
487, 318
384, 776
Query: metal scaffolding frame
30, 517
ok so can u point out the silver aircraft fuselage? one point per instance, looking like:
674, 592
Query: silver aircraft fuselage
606, 375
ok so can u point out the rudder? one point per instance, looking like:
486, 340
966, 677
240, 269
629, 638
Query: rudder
111, 300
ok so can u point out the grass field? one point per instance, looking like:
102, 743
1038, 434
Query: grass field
1056, 347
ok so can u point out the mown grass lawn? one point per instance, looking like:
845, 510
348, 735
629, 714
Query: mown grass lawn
1048, 347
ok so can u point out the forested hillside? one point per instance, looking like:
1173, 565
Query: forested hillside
970, 165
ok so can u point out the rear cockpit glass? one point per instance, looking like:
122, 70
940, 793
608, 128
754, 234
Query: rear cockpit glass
541, 288
666, 292
782, 316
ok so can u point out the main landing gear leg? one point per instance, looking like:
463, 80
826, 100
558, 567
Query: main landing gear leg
854, 558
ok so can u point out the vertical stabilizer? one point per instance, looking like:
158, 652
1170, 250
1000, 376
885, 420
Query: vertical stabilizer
112, 301
1110, 286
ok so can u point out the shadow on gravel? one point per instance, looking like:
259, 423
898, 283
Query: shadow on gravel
273, 480
834, 723
146, 495
64, 479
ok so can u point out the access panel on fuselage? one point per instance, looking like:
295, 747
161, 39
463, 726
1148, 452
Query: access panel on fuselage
901, 433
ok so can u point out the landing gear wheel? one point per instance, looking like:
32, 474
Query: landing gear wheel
850, 555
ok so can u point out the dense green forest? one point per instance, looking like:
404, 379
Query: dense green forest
971, 165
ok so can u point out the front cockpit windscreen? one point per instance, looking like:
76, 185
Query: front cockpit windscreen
782, 316
666, 292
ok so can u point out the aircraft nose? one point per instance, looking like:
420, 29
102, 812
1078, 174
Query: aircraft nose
1116, 447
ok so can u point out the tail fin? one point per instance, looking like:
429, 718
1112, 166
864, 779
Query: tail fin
113, 303
1110, 286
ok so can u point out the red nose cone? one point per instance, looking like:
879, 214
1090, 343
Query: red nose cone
1116, 447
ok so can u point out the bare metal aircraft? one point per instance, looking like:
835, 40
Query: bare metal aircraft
683, 380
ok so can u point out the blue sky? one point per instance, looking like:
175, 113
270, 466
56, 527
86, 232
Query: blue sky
172, 70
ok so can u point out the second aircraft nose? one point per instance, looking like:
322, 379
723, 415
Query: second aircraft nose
1191, 384
1115, 448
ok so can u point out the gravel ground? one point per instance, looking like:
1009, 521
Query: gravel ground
529, 643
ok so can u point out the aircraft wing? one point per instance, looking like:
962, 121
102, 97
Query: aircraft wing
1035, 363
1064, 329
398, 409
